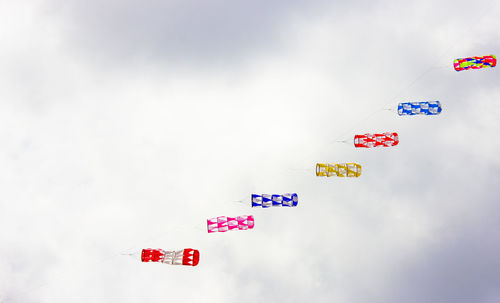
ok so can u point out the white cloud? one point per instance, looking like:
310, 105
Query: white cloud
108, 147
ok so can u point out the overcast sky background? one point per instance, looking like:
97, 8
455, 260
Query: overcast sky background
126, 124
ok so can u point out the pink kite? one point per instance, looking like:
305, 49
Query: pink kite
223, 224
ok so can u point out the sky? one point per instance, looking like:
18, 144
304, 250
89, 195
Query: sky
126, 124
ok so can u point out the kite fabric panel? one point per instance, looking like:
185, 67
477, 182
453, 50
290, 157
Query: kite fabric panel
188, 256
376, 140
223, 223
429, 108
266, 201
339, 170
461, 64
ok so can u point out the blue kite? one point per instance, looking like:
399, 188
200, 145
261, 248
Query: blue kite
429, 108
266, 201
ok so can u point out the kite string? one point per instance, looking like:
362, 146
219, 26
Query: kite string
432, 67
386, 107
61, 275
343, 137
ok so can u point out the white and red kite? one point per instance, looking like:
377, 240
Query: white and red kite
187, 256
375, 140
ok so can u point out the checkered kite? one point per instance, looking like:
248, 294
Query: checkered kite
375, 140
429, 108
266, 200
223, 223
338, 170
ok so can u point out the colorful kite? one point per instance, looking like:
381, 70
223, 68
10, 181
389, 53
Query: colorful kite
223, 224
375, 140
419, 108
187, 256
266, 201
339, 170
474, 62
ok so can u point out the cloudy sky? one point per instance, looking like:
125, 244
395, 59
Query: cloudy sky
126, 124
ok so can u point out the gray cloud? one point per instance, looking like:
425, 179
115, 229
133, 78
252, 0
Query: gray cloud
461, 265
179, 32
